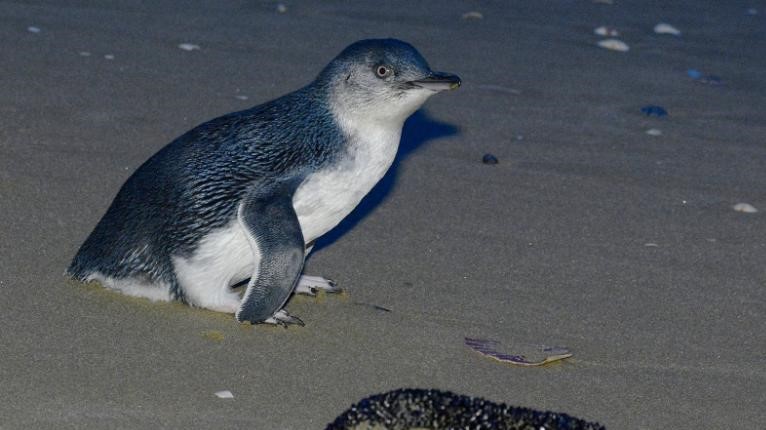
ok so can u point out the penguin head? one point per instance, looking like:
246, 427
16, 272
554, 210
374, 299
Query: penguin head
382, 80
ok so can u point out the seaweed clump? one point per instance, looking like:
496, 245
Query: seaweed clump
409, 409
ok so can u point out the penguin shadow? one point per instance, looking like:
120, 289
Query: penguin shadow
418, 130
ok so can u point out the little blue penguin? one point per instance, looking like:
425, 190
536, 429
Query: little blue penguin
244, 196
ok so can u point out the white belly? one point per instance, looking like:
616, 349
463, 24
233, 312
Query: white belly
326, 197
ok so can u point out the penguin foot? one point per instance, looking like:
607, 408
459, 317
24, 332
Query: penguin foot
284, 319
309, 285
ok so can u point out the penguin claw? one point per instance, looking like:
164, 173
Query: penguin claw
282, 318
310, 285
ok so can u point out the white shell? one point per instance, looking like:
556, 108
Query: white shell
606, 31
225, 394
654, 132
614, 45
745, 207
188, 46
663, 28
473, 15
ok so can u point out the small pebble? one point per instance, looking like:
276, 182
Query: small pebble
224, 394
188, 46
663, 28
651, 245
489, 159
745, 208
606, 31
109, 57
241, 97
281, 8
84, 54
654, 110
33, 29
654, 132
473, 15
614, 45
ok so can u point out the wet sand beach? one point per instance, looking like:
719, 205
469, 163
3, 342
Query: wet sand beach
590, 232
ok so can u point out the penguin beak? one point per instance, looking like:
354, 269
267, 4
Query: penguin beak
438, 81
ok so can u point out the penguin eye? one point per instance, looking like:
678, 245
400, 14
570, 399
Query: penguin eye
383, 71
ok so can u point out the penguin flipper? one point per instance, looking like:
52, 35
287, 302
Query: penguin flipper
274, 232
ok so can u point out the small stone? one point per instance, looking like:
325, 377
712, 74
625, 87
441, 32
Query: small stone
654, 110
473, 15
651, 245
224, 394
84, 54
281, 8
188, 46
614, 45
241, 97
489, 159
109, 57
663, 28
654, 132
33, 29
745, 208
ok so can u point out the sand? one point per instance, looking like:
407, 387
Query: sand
589, 233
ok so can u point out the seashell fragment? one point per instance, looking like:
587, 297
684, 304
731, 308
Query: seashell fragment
473, 15
188, 46
654, 132
224, 394
606, 31
489, 348
745, 208
614, 45
663, 28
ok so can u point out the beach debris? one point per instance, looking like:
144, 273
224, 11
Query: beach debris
281, 8
414, 408
224, 394
654, 110
489, 348
665, 28
241, 97
745, 208
654, 132
614, 45
472, 15
84, 54
109, 57
606, 31
489, 159
33, 29
188, 46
